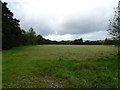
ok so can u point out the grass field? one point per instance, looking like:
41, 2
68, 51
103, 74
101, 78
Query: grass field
60, 66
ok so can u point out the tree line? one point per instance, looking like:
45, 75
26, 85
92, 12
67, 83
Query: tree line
13, 35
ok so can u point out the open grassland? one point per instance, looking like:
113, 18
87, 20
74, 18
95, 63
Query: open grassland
60, 66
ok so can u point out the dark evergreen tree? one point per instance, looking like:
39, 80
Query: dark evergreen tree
11, 31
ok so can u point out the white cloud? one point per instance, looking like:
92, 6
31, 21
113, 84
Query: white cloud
100, 35
59, 37
69, 18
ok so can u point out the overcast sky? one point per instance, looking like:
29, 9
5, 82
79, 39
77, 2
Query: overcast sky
65, 19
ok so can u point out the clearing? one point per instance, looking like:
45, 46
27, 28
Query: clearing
60, 66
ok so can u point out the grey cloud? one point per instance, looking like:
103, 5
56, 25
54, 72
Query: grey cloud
39, 27
43, 30
84, 25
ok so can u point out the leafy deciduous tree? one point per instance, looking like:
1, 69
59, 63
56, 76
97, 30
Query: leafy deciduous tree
114, 26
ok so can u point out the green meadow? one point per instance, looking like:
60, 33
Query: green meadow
60, 66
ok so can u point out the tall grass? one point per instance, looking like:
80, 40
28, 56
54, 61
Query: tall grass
48, 66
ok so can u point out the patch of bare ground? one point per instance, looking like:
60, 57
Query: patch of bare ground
54, 83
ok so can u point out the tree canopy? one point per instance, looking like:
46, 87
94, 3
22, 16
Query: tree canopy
114, 26
11, 31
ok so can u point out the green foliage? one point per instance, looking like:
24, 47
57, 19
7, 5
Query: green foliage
40, 40
60, 66
78, 41
114, 25
11, 32
31, 37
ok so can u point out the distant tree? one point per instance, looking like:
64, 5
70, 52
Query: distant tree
31, 37
98, 42
40, 40
106, 42
81, 41
54, 42
23, 38
68, 42
62, 42
47, 41
87, 42
114, 26
78, 41
111, 41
